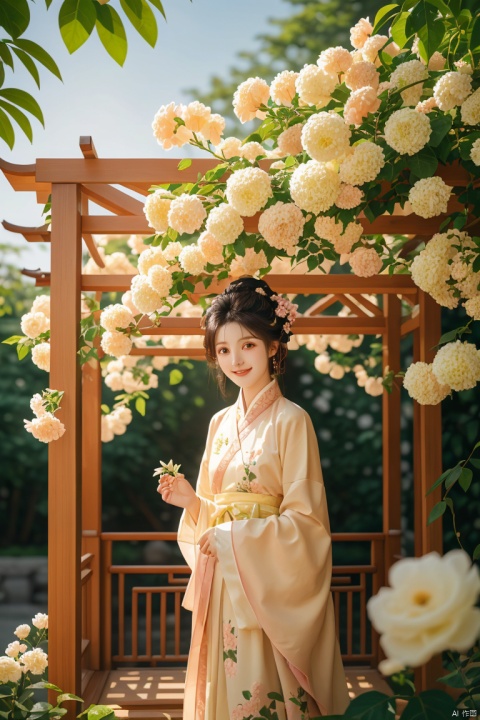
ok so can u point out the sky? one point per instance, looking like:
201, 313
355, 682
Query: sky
116, 105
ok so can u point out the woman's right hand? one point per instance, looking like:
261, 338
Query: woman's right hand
176, 490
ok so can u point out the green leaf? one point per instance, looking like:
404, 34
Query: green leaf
430, 37
140, 405
159, 6
372, 705
29, 64
424, 163
398, 29
111, 31
77, 19
175, 377
12, 340
437, 511
443, 476
184, 164
20, 118
68, 696
41, 55
6, 131
5, 54
453, 476
465, 479
145, 24
476, 552
100, 711
441, 126
23, 100
430, 705
383, 16
474, 43
442, 7
14, 16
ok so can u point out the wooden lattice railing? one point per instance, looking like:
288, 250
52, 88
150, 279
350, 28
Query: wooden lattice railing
143, 621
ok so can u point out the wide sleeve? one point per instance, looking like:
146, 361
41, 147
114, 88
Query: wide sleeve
190, 531
284, 564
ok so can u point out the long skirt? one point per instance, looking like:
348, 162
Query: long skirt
245, 672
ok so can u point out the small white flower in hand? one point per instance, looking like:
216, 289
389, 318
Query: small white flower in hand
167, 469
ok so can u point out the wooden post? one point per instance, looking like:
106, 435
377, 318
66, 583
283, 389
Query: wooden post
64, 471
427, 422
392, 489
92, 493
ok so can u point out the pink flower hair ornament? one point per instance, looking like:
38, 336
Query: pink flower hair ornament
285, 310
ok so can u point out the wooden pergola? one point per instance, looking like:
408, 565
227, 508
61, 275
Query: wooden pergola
84, 586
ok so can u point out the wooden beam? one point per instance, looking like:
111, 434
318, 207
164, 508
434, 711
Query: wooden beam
114, 200
386, 224
410, 324
197, 353
303, 325
312, 284
42, 279
121, 170
366, 303
64, 455
164, 170
87, 147
31, 234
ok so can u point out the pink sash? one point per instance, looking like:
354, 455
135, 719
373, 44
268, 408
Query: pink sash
196, 680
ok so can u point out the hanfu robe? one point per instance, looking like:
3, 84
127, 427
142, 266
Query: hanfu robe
263, 615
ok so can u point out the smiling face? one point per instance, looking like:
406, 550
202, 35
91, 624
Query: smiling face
243, 358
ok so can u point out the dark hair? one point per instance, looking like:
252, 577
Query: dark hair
241, 303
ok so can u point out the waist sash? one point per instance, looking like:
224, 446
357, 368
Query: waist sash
231, 506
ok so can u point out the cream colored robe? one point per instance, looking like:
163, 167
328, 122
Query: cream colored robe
263, 617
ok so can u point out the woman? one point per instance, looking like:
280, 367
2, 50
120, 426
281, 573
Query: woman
256, 533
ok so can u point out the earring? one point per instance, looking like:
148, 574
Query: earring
275, 366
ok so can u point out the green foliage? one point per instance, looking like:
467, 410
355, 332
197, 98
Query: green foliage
77, 19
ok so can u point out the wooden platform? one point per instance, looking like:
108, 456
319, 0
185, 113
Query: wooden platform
157, 693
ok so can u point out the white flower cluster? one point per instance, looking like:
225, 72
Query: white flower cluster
194, 118
225, 223
441, 262
115, 423
186, 214
407, 131
422, 384
429, 197
470, 111
363, 165
315, 86
452, 89
325, 136
365, 262
411, 73
45, 426
282, 225
457, 364
156, 209
249, 97
248, 190
314, 186
120, 375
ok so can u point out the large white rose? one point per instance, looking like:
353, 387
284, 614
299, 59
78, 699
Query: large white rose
429, 607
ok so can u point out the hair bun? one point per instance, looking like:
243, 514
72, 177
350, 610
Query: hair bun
248, 284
